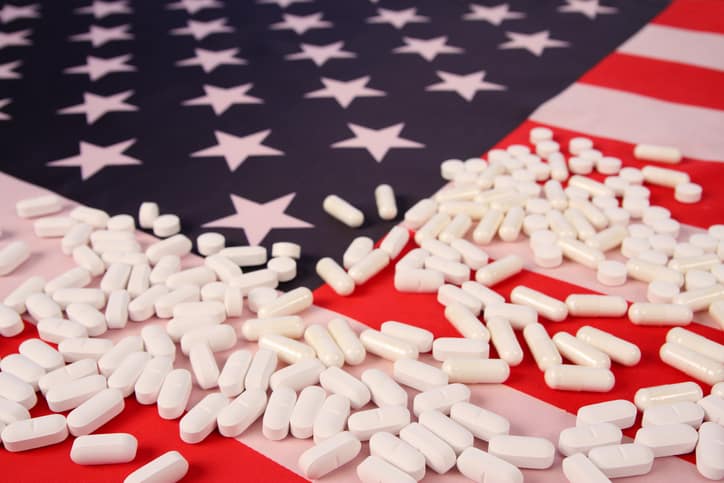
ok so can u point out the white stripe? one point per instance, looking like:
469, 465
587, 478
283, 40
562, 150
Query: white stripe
632, 118
701, 49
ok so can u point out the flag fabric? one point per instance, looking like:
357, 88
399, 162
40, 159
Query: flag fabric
241, 117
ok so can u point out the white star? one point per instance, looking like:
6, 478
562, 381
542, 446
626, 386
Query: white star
398, 18
98, 35
534, 43
495, 15
283, 3
258, 219
209, 60
200, 30
320, 54
220, 99
427, 48
3, 103
7, 71
301, 23
17, 38
94, 107
237, 149
94, 158
13, 12
589, 8
97, 67
194, 6
465, 85
101, 9
377, 141
345, 91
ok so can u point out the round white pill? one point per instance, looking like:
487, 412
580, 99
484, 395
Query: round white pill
121, 223
147, 214
591, 154
547, 256
546, 148
475, 165
538, 134
631, 175
611, 273
608, 165
166, 225
667, 226
663, 243
286, 249
285, 268
542, 237
696, 279
635, 205
655, 213
661, 292
579, 144
518, 150
631, 247
579, 165
688, 193
706, 242
210, 243
450, 168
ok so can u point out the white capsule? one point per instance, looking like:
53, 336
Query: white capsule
466, 322
297, 376
34, 433
666, 394
511, 225
620, 350
289, 326
701, 262
445, 348
499, 270
335, 276
476, 371
357, 250
708, 451
386, 204
580, 352
418, 280
664, 176
541, 346
340, 209
692, 363
178, 245
420, 338
41, 353
659, 314
439, 456
369, 266
432, 228
95, 412
585, 305
389, 449
149, 383
523, 451
241, 413
263, 365
456, 229
275, 423
453, 272
696, 343
110, 361
487, 228
15, 390
387, 347
23, 368
504, 341
288, 350
169, 467
546, 306
418, 375
347, 340
450, 294
290, 303
103, 449
568, 377
78, 348
174, 394
56, 330
324, 345
390, 419
699, 299
441, 398
125, 376
200, 421
581, 439
142, 307
483, 294
305, 410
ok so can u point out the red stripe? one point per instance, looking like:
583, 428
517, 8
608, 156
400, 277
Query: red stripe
669, 81
378, 301
709, 175
209, 461
706, 15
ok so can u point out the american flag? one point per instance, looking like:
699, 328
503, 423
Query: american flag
240, 116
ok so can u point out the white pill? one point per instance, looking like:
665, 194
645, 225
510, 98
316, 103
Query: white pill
241, 413
231, 378
41, 353
708, 451
174, 394
374, 469
476, 371
664, 176
88, 259
445, 348
347, 340
383, 389
692, 363
166, 225
169, 467
454, 434
110, 361
335, 276
191, 276
11, 411
78, 348
482, 423
203, 365
275, 423
73, 278
331, 418
369, 266
713, 406
568, 377
116, 277
263, 365
219, 338
387, 347
466, 322
577, 468
456, 229
259, 296
479, 465
23, 368
287, 350
55, 329
538, 134
680, 412
499, 270
16, 299
149, 383
178, 245
647, 397
701, 262
225, 269
441, 398
699, 299
290, 303
167, 265
142, 307
418, 375
622, 460
289, 326
473, 297
418, 280
390, 419
696, 343
329, 455
584, 305
284, 267
581, 253
343, 211
662, 154
487, 228
580, 352
581, 439
53, 227
439, 456
432, 228
38, 206
297, 376
716, 310
620, 412
147, 214
547, 255
668, 439
200, 421
484, 295
541, 346
89, 317
74, 392
398, 453
560, 225
386, 204
661, 292
697, 279
62, 376
104, 449
688, 193
580, 166
15, 390
420, 338
546, 306
305, 411
93, 297
157, 342
77, 235
324, 345
357, 250
337, 381
659, 314
210, 243
95, 412
618, 349
523, 451
504, 340
10, 322
471, 254
165, 304
125, 376
34, 433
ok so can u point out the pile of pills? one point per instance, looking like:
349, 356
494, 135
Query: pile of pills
296, 381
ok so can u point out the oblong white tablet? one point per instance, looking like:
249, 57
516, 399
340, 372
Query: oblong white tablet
23, 368
310, 400
331, 418
578, 468
174, 394
483, 424
384, 390
149, 383
480, 466
438, 454
684, 412
231, 378
34, 433
709, 449
580, 439
454, 434
668, 439
391, 419
440, 398
377, 470
275, 424
241, 413
620, 412
74, 393
418, 375
622, 460
200, 421
104, 449
338, 381
329, 455
16, 390
41, 353
95, 412
400, 454
169, 467
523, 451
263, 365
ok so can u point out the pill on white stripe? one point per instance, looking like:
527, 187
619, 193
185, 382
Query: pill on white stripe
577, 468
275, 423
395, 240
483, 424
374, 469
178, 245
580, 439
200, 421
479, 465
149, 383
439, 456
174, 394
38, 206
169, 467
390, 419
384, 390
454, 434
440, 398
329, 455
476, 371
63, 375
499, 270
523, 451
398, 453
301, 422
142, 307
324, 345
95, 412
263, 365
165, 304
297, 376
231, 378
89, 317
684, 412
241, 413
258, 278
619, 412
622, 460
417, 336
165, 266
